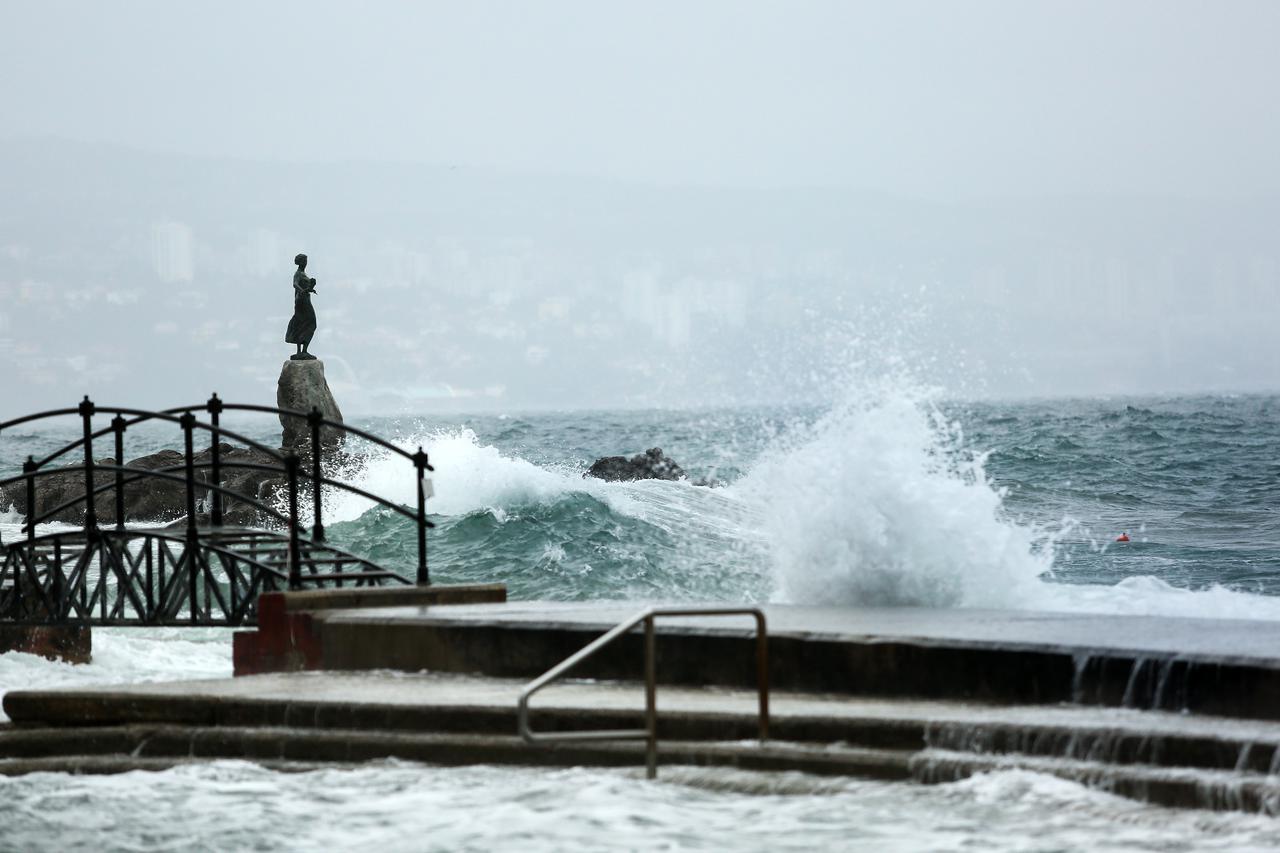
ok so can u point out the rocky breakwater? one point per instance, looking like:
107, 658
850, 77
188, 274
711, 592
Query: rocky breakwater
653, 464
150, 498
302, 387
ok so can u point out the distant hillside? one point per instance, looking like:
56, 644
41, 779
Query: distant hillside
152, 278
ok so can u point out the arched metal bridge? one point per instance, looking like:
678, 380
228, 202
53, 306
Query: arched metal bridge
199, 570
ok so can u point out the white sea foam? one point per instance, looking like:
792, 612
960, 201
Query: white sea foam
877, 505
126, 655
1144, 595
476, 477
871, 507
394, 806
880, 503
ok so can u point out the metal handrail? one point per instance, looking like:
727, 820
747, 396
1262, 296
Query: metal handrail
171, 414
291, 467
650, 732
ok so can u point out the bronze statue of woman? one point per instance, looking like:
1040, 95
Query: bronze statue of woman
303, 324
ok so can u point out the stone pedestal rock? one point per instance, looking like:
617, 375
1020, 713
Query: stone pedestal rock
302, 385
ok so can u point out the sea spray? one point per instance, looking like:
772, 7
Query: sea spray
126, 655
548, 532
877, 499
878, 504
470, 476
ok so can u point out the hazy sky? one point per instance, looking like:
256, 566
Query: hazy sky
937, 99
591, 204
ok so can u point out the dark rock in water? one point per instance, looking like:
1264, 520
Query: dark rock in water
154, 499
148, 499
67, 486
262, 486
653, 464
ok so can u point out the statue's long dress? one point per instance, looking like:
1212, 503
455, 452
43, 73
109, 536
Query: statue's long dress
303, 324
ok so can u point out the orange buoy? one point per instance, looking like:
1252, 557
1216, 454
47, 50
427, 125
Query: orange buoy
1123, 537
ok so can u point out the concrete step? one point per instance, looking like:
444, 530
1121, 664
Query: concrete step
434, 703
151, 747
109, 764
1181, 787
311, 745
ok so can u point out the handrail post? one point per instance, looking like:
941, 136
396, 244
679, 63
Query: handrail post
650, 699
87, 410
188, 422
118, 426
29, 468
762, 674
295, 551
423, 465
650, 731
314, 418
214, 408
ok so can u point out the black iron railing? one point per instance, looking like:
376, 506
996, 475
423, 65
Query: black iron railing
301, 544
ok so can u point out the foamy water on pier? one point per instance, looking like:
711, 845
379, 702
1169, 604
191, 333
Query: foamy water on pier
396, 806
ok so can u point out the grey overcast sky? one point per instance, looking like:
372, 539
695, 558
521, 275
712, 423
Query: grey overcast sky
932, 99
597, 204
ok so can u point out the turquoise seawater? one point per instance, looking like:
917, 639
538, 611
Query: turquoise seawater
886, 499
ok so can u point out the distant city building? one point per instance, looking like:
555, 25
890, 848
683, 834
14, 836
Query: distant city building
171, 252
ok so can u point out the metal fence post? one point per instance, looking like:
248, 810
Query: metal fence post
650, 699
117, 426
29, 468
214, 408
313, 420
762, 674
295, 551
188, 422
87, 410
423, 465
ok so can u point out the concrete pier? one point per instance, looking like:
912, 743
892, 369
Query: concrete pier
1220, 667
1177, 711
288, 639
294, 720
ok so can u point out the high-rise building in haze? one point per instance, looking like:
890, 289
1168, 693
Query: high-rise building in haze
171, 255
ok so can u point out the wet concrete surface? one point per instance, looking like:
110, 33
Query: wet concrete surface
1221, 641
448, 719
438, 690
